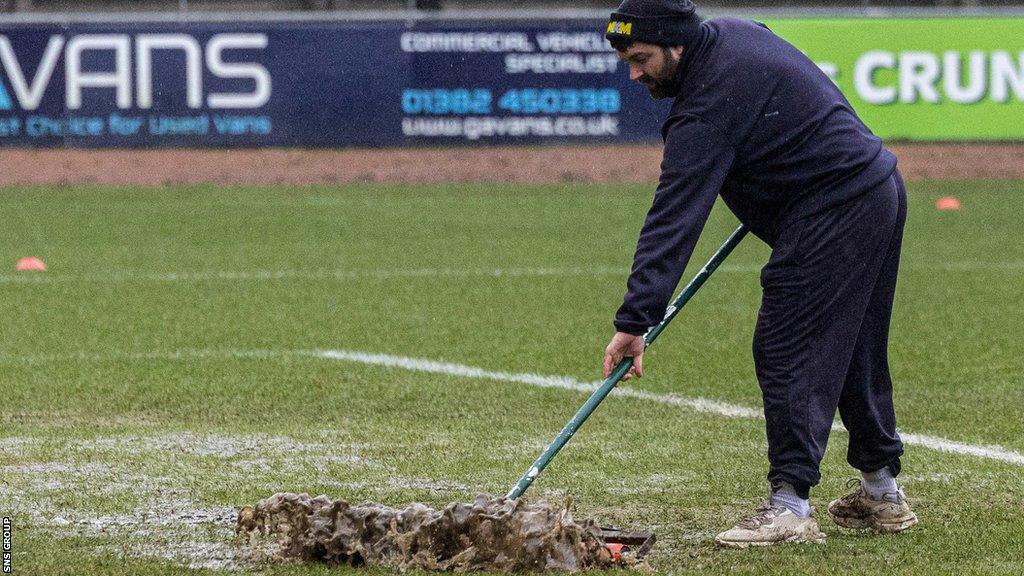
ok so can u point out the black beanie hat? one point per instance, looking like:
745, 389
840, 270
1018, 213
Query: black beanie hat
662, 22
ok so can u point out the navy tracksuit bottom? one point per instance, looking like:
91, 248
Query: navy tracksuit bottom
822, 336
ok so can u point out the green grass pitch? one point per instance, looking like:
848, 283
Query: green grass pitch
167, 369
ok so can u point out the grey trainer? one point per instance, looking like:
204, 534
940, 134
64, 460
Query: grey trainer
858, 509
771, 525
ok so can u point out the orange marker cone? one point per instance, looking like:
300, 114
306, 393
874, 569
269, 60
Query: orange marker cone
947, 204
30, 263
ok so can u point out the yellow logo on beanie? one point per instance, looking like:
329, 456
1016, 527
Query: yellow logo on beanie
624, 28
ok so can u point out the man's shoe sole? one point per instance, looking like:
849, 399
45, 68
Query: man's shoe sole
890, 527
792, 539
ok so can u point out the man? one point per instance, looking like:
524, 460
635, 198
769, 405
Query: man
758, 123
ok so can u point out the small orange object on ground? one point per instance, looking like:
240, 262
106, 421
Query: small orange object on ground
30, 263
947, 203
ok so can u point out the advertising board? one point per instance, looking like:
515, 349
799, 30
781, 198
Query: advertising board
343, 83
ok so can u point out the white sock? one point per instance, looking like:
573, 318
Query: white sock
878, 483
787, 497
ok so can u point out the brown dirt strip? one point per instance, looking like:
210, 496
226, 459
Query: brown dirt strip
430, 165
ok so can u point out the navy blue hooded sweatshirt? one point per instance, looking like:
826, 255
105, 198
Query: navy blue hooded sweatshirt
759, 123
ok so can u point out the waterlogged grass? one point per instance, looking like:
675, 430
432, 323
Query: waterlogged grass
162, 372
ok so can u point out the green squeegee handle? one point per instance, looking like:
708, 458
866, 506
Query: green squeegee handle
620, 370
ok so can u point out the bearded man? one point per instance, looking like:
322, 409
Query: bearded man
756, 122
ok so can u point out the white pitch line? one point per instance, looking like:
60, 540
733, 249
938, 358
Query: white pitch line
342, 275
951, 266
272, 275
703, 405
182, 354
952, 446
697, 404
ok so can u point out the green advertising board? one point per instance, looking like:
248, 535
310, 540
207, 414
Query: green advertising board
923, 78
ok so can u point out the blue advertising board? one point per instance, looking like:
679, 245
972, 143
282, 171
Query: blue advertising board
317, 84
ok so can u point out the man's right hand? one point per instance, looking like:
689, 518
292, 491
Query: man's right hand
621, 346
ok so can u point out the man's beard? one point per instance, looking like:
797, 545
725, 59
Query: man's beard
664, 84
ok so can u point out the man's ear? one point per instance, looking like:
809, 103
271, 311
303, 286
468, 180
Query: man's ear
677, 51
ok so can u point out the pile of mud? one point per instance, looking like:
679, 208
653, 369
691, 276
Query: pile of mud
487, 534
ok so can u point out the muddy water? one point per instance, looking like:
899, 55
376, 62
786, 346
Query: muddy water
487, 534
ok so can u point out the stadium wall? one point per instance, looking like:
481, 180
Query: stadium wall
306, 80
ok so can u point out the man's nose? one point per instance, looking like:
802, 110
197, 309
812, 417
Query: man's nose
635, 72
